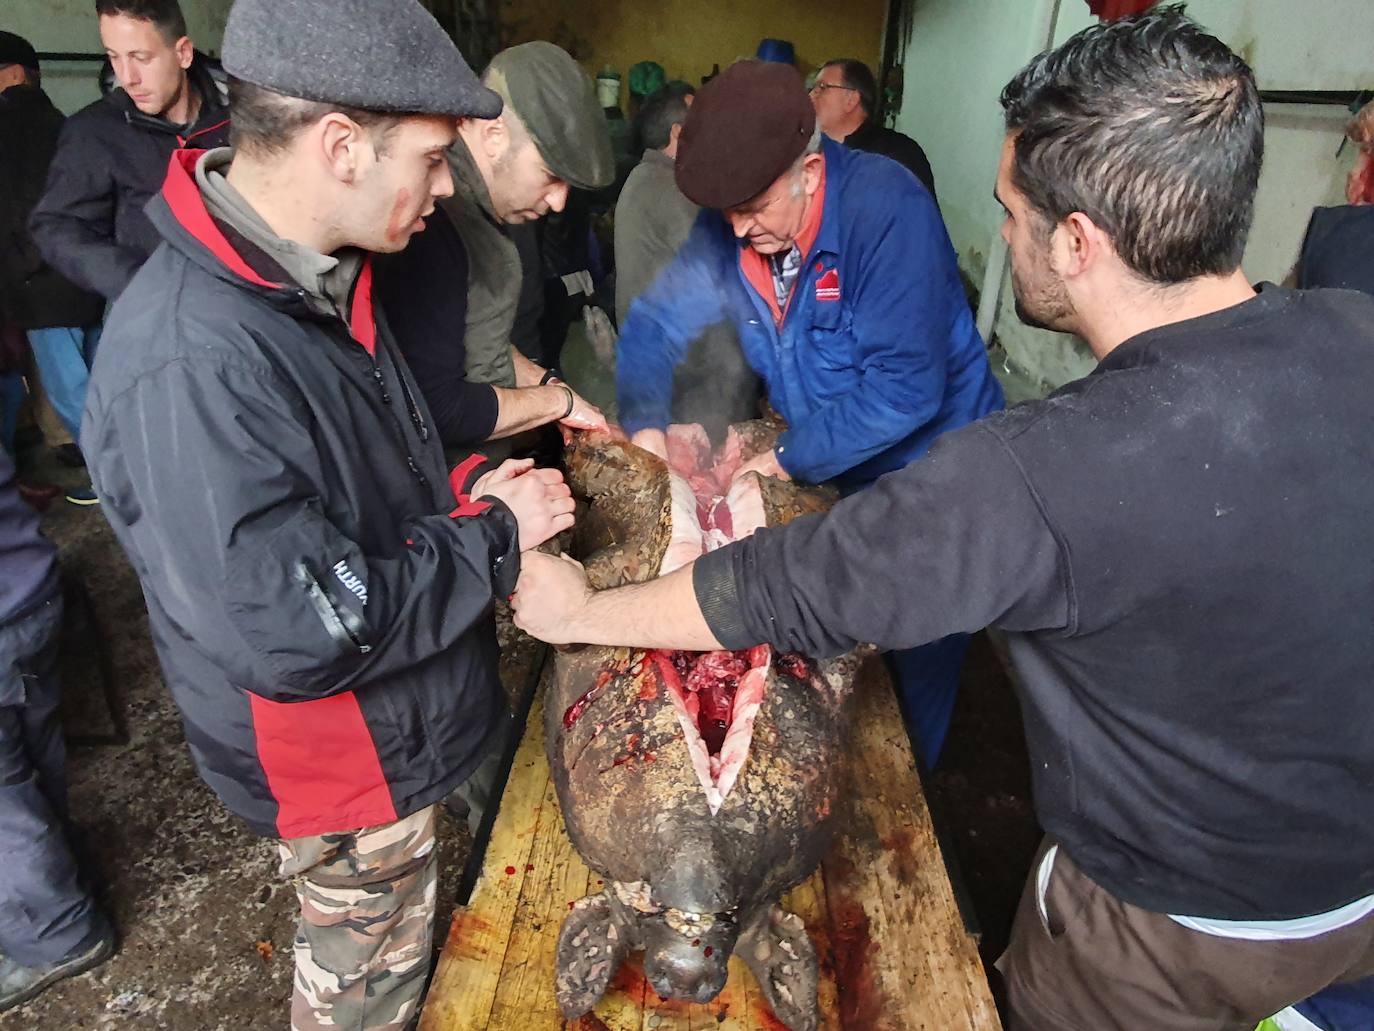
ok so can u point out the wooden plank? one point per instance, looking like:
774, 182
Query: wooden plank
555, 876
881, 913
911, 963
464, 987
807, 900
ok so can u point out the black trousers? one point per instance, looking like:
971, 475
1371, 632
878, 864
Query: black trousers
45, 912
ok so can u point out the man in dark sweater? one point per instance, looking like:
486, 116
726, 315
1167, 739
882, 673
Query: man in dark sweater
846, 96
112, 155
1178, 547
714, 385
454, 294
50, 927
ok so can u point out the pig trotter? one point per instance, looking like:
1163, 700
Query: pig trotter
591, 946
778, 950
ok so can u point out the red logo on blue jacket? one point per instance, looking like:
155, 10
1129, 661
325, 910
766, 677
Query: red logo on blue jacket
828, 286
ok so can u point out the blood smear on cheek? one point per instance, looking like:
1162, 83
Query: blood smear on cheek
397, 224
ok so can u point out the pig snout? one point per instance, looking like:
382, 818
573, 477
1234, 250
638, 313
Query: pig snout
679, 970
689, 961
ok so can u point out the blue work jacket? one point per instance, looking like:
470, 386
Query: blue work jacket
877, 354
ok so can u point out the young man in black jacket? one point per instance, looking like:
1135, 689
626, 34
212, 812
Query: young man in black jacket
320, 587
112, 155
61, 321
1177, 545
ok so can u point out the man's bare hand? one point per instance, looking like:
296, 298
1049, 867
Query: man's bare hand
766, 464
584, 416
541, 502
552, 590
653, 441
507, 470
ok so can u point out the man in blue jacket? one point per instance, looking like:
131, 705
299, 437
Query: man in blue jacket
835, 268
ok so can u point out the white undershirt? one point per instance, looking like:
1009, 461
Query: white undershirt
1248, 930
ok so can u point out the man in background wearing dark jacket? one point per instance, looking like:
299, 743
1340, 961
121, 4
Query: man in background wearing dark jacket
50, 927
846, 98
319, 586
1178, 546
61, 320
714, 386
112, 155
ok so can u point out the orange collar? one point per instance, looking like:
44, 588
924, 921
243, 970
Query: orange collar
755, 265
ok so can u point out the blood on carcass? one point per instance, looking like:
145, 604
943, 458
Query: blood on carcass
575, 711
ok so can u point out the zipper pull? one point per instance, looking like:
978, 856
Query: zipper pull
410, 461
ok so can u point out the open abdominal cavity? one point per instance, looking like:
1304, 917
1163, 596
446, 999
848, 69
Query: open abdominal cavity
716, 694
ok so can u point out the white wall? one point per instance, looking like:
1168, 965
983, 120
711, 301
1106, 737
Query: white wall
70, 25
961, 53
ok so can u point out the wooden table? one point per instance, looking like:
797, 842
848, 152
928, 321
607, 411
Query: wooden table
894, 952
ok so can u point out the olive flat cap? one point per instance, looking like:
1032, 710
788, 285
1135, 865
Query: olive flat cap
556, 101
745, 128
377, 55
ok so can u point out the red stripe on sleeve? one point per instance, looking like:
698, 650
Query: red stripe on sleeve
321, 765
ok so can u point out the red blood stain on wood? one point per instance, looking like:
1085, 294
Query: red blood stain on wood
529, 867
763, 1016
589, 1022
853, 950
901, 843
510, 870
464, 926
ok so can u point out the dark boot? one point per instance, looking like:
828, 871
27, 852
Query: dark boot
19, 984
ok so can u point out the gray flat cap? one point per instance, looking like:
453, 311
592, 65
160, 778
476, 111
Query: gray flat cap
556, 101
377, 55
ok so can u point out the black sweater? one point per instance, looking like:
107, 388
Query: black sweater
1181, 549
424, 292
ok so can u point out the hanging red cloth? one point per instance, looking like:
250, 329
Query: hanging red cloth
1111, 10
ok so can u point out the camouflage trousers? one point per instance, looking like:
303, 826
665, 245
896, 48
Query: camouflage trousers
367, 920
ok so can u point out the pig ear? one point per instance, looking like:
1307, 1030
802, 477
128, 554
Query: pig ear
779, 952
591, 946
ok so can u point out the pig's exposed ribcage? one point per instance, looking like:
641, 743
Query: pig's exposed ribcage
716, 694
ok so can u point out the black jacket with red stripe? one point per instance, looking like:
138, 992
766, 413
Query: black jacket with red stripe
323, 623
90, 224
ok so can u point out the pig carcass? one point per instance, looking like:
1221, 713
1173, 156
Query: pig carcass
699, 785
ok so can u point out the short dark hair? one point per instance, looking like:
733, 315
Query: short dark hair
165, 14
1154, 130
858, 77
264, 122
664, 108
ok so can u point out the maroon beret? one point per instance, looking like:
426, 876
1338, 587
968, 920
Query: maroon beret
745, 128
